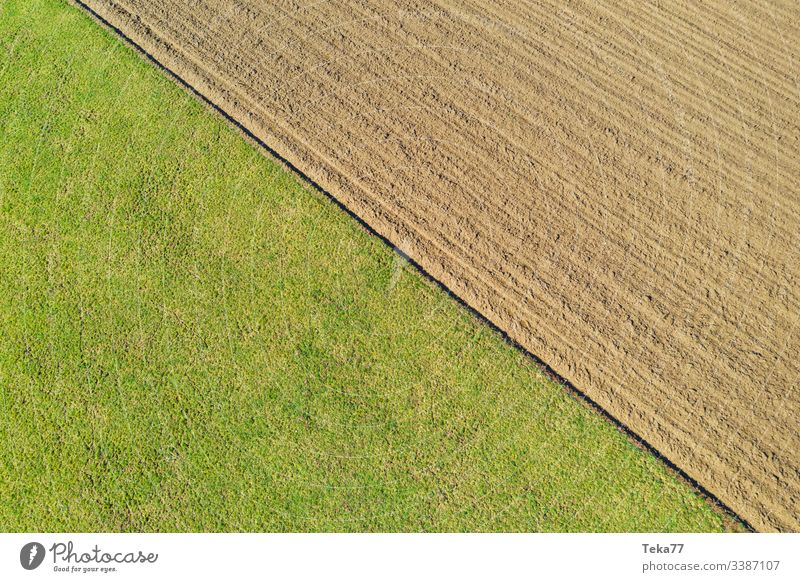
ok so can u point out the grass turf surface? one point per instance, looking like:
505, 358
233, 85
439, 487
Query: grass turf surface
190, 339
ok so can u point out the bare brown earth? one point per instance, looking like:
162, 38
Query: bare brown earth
614, 184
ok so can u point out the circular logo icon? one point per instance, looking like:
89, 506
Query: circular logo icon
31, 555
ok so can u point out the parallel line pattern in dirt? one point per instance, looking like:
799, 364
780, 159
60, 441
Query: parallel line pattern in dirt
614, 184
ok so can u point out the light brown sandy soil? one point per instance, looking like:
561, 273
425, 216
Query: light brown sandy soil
614, 184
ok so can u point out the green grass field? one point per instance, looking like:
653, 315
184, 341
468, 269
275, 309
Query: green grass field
191, 339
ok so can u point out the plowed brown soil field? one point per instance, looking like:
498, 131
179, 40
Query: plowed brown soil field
614, 184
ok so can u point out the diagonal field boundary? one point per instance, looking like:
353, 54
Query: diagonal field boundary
552, 374
667, 342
